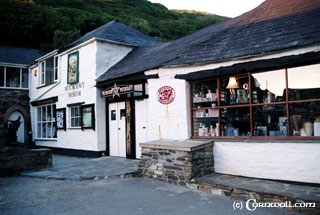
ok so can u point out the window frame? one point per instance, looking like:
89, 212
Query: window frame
251, 105
52, 122
70, 117
43, 71
20, 77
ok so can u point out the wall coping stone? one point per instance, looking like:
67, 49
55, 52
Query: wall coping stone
178, 145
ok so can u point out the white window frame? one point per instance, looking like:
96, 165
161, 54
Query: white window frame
74, 117
46, 122
20, 78
43, 70
56, 68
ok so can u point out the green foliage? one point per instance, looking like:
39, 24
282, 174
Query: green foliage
48, 24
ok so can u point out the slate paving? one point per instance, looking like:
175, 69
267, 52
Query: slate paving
305, 192
74, 168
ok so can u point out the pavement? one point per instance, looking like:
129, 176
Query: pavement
74, 168
113, 196
294, 191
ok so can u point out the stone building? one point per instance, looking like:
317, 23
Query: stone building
14, 93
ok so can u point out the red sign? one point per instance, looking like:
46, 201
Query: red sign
166, 95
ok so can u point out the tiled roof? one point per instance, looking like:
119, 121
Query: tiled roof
273, 26
23, 56
117, 32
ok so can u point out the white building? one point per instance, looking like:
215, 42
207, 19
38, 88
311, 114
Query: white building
251, 84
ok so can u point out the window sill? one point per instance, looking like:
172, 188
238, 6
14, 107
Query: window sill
46, 139
75, 128
13, 88
46, 85
262, 140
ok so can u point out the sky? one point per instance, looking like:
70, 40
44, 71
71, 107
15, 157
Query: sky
229, 8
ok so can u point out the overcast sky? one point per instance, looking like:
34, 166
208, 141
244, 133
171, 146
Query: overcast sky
230, 8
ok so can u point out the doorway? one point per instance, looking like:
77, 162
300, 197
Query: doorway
117, 129
16, 124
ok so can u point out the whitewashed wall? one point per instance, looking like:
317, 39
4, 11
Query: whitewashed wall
168, 121
282, 161
94, 59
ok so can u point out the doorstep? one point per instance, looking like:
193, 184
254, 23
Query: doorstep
244, 188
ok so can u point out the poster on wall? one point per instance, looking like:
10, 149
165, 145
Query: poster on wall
61, 118
87, 116
73, 68
166, 95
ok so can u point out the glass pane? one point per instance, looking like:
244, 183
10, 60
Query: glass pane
234, 90
235, 121
304, 82
44, 130
270, 120
76, 122
72, 112
205, 94
77, 111
39, 114
49, 113
54, 130
56, 68
25, 79
44, 116
49, 131
72, 122
1, 76
268, 87
49, 70
305, 119
12, 77
39, 130
42, 72
205, 122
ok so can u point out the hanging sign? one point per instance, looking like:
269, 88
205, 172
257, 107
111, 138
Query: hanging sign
117, 90
166, 95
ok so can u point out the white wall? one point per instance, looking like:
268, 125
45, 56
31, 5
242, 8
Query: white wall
94, 59
282, 161
168, 121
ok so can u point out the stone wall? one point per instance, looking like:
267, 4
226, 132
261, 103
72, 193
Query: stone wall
15, 159
174, 162
10, 98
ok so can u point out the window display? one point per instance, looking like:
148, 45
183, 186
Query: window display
281, 103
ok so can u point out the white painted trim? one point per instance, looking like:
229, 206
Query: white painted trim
186, 69
14, 88
47, 55
24, 66
115, 42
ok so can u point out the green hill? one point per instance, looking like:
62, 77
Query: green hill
48, 24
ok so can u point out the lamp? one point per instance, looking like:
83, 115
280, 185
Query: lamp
233, 84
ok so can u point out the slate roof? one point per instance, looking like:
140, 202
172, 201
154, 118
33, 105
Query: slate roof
117, 32
273, 26
24, 56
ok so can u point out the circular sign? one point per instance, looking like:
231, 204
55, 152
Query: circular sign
166, 95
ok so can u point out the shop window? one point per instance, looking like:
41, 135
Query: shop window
48, 71
235, 122
268, 87
275, 104
46, 123
75, 117
305, 119
13, 77
234, 90
270, 120
304, 82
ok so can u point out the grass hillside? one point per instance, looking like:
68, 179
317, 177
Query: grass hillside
48, 24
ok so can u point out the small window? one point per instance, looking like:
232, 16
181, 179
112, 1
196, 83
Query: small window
75, 117
48, 71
